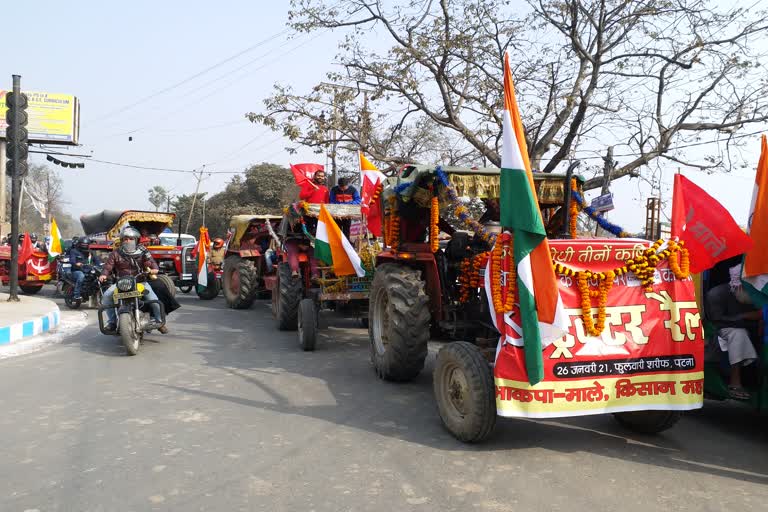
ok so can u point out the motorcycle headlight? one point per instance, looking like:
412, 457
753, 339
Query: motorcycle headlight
125, 284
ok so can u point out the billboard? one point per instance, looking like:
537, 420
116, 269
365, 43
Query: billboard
53, 118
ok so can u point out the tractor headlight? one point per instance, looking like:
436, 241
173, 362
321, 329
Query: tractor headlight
125, 284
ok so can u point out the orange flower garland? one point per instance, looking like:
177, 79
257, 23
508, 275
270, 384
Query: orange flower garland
434, 219
501, 257
469, 277
573, 218
643, 266
393, 225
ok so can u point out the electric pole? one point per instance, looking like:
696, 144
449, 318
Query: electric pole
199, 178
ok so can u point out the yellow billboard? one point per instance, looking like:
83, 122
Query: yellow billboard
53, 118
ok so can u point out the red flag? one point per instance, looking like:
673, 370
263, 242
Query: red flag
369, 188
709, 231
26, 249
304, 173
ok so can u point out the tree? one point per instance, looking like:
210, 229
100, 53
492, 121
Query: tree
262, 189
158, 197
42, 199
651, 77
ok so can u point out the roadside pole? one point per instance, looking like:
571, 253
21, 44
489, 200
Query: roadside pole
17, 138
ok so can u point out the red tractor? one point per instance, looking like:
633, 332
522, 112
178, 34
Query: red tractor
246, 270
426, 288
33, 274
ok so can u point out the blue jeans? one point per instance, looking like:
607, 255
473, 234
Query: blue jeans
78, 276
149, 294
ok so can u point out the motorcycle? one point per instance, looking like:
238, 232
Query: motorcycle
133, 312
90, 290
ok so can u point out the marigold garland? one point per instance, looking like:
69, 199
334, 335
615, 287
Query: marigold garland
501, 257
469, 276
574, 210
434, 219
643, 266
392, 224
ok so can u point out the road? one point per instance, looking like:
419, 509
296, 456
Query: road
228, 414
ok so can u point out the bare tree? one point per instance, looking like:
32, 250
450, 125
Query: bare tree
158, 197
650, 77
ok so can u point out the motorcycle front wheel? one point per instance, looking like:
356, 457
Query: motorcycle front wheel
128, 333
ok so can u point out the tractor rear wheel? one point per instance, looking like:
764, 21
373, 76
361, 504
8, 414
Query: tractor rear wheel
289, 292
399, 321
648, 422
464, 392
239, 282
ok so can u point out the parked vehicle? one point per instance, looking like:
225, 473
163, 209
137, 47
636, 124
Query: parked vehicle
33, 274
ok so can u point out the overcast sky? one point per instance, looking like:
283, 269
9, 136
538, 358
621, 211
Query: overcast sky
113, 55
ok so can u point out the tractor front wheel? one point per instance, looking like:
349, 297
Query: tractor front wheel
30, 289
399, 321
211, 291
289, 292
239, 282
648, 422
464, 391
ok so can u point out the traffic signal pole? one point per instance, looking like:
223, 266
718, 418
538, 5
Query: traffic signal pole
16, 137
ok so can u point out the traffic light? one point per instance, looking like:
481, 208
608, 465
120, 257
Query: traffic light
17, 138
71, 165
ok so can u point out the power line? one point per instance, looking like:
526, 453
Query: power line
192, 77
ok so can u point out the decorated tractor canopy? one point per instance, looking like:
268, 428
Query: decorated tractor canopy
246, 265
629, 337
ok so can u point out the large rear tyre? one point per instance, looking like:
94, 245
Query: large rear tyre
30, 289
289, 292
648, 422
307, 325
464, 392
168, 282
240, 280
399, 321
211, 291
128, 333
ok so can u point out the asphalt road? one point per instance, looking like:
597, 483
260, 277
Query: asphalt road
226, 413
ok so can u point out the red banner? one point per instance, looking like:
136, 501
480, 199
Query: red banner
649, 356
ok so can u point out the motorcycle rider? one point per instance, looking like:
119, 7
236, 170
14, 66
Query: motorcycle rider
129, 260
80, 258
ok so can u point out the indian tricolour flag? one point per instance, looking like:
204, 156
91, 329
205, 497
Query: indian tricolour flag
754, 276
202, 258
542, 317
56, 242
332, 247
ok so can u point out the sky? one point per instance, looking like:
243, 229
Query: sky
133, 66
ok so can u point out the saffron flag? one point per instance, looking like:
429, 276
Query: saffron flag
754, 275
304, 173
369, 171
202, 258
56, 243
26, 250
706, 227
332, 247
542, 316
371, 180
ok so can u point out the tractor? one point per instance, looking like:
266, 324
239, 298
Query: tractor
246, 268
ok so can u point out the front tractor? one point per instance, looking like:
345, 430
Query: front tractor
441, 226
245, 266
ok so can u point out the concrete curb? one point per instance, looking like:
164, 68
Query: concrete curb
31, 327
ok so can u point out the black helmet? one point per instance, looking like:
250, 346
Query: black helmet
33, 237
83, 243
21, 237
75, 239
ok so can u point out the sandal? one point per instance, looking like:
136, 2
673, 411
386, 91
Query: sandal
738, 393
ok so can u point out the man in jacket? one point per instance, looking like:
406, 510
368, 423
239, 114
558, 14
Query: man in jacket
343, 193
80, 258
130, 259
315, 191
